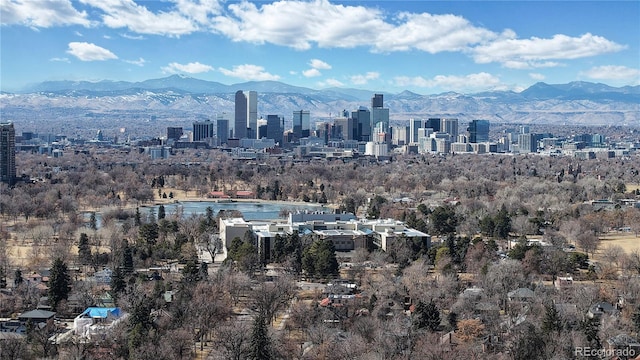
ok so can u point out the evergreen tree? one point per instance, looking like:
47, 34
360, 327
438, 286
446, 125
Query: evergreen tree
137, 220
127, 258
502, 223
59, 283
93, 222
319, 259
426, 316
190, 272
118, 284
3, 277
551, 321
17, 278
260, 346
635, 318
590, 327
444, 220
84, 250
161, 212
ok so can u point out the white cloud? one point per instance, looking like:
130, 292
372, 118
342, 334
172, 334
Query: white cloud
536, 76
78, 33
139, 62
319, 64
431, 33
106, 37
89, 52
191, 68
613, 72
478, 81
363, 79
41, 14
57, 59
538, 52
132, 37
186, 18
331, 83
249, 72
311, 73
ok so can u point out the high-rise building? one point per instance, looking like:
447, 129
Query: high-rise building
275, 128
7, 153
301, 123
527, 143
400, 135
203, 130
222, 131
241, 116
362, 124
229, 118
174, 133
478, 131
379, 115
433, 123
344, 128
252, 114
414, 125
450, 126
377, 101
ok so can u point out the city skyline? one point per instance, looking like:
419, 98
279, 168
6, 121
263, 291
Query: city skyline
424, 47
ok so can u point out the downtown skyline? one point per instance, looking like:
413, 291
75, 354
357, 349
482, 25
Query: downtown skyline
422, 46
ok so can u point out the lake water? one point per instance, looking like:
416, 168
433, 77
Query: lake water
249, 210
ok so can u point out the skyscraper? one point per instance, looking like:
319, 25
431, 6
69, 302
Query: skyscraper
252, 114
379, 115
478, 131
174, 133
301, 123
222, 131
241, 116
433, 123
275, 128
362, 124
450, 126
7, 153
202, 130
414, 125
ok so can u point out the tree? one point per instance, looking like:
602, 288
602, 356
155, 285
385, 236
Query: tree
84, 250
319, 259
426, 316
551, 323
161, 212
260, 346
635, 318
17, 278
118, 283
93, 223
59, 283
444, 220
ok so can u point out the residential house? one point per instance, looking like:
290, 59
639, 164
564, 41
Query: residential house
602, 308
95, 321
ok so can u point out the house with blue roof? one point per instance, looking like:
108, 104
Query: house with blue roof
97, 320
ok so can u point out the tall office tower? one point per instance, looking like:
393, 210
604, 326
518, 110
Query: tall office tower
252, 114
377, 101
362, 124
241, 116
524, 129
222, 131
379, 115
275, 128
7, 153
344, 128
450, 126
478, 131
174, 133
230, 124
433, 123
301, 123
400, 135
203, 130
527, 143
414, 125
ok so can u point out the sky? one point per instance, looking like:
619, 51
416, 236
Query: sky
426, 47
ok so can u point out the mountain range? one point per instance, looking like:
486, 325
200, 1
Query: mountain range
576, 102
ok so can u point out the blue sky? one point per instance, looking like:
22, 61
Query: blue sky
423, 46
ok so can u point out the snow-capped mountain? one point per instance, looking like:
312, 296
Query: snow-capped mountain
180, 96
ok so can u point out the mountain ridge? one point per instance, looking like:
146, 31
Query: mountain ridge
190, 98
